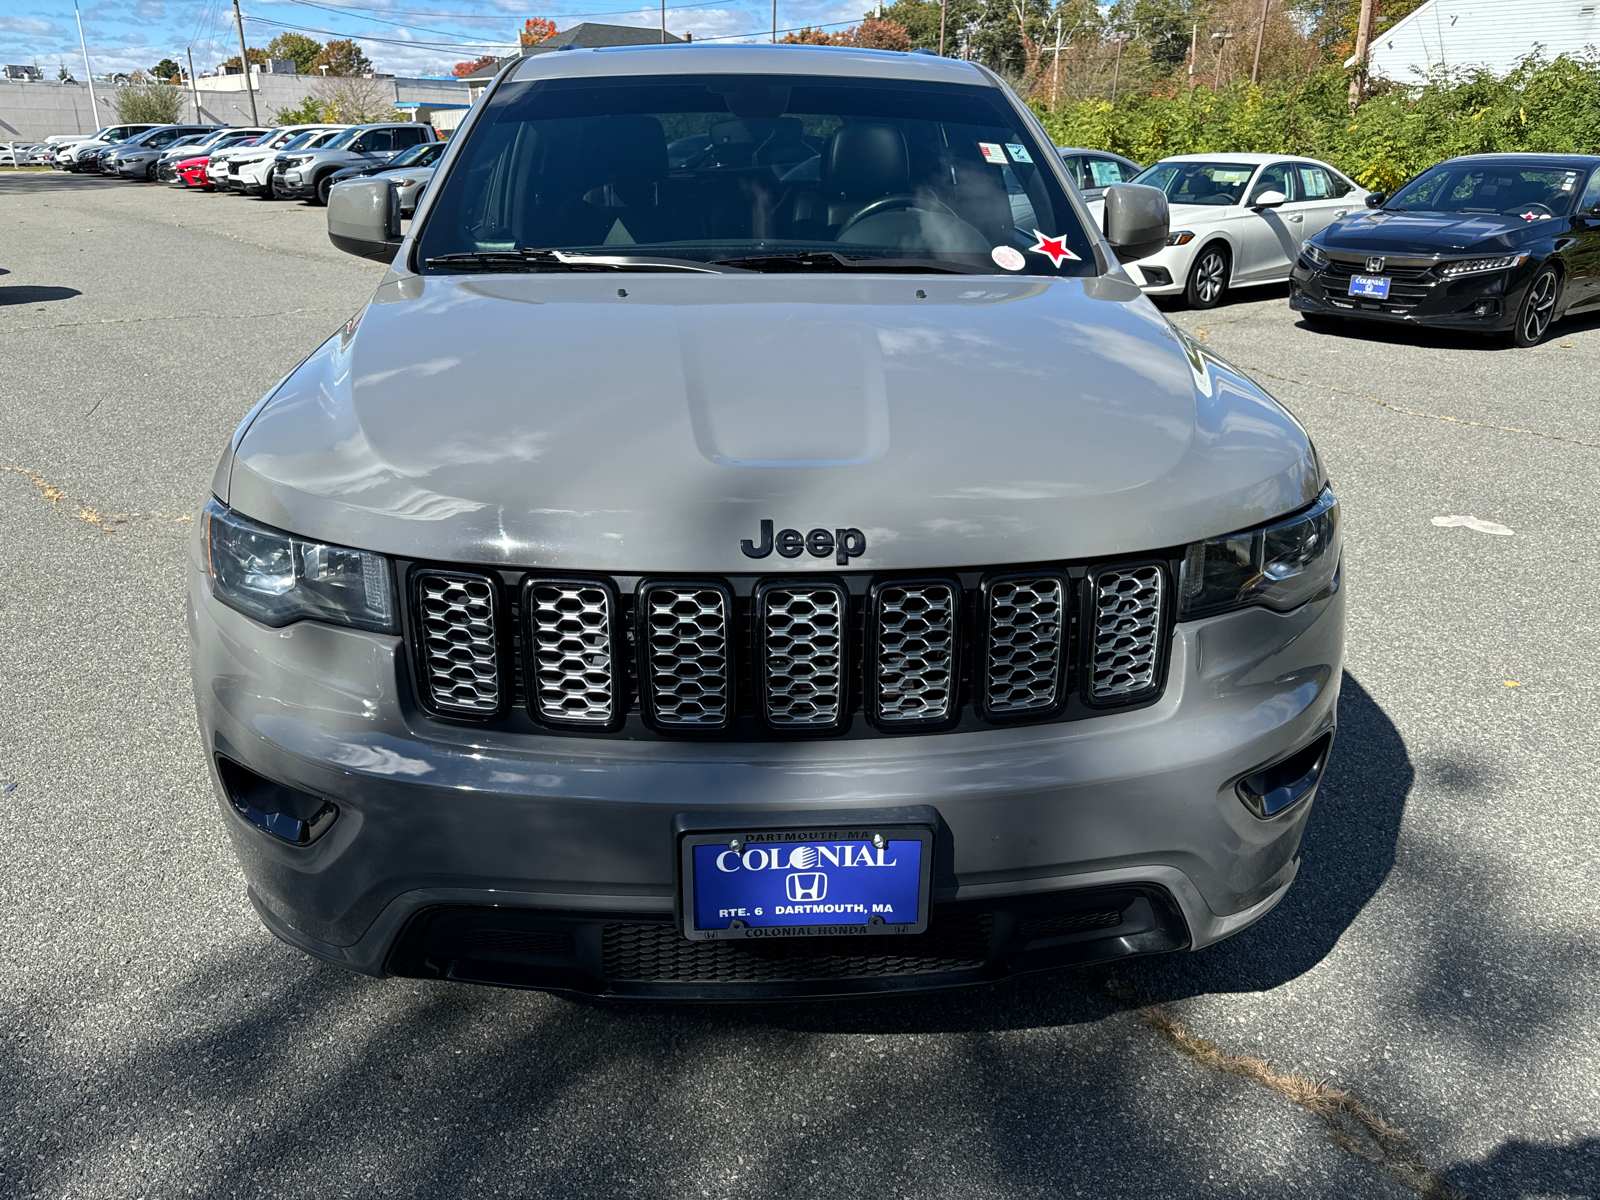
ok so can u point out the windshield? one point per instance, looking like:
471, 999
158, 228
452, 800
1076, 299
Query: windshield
1501, 187
720, 167
1217, 183
304, 139
417, 156
342, 139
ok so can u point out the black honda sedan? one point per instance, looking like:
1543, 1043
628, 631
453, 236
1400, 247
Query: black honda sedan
1503, 243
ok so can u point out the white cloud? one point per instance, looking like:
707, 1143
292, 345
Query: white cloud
31, 27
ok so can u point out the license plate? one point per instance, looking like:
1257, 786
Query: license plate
1369, 287
818, 882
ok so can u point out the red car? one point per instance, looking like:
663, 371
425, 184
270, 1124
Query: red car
192, 173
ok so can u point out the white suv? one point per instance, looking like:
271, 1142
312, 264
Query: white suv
226, 172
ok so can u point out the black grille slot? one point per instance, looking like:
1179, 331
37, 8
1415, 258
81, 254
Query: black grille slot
914, 678
686, 672
569, 627
1062, 924
1126, 642
514, 941
660, 954
1025, 657
458, 641
803, 631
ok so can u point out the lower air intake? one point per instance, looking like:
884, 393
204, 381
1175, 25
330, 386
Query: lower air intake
660, 954
460, 651
1127, 632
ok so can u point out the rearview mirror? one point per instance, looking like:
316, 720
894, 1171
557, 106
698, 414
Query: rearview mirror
1136, 221
364, 218
1269, 199
1376, 199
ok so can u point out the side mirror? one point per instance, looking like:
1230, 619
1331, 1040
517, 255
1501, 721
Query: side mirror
1136, 221
1269, 199
364, 219
1376, 199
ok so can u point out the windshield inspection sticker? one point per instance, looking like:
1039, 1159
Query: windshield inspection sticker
1010, 259
1019, 153
1055, 247
992, 152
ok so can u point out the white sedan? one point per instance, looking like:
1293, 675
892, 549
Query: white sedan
1238, 220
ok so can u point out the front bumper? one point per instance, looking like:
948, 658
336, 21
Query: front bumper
293, 185
1486, 302
550, 861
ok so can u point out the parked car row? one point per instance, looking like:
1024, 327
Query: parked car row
25, 154
288, 162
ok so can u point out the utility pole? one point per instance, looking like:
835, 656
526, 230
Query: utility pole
244, 62
1222, 37
87, 72
193, 86
663, 22
774, 22
1116, 71
1261, 32
1055, 66
1194, 41
943, 7
1358, 81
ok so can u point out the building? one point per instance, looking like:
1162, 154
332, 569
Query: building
1481, 33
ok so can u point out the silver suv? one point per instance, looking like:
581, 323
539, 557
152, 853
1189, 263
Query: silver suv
777, 574
309, 174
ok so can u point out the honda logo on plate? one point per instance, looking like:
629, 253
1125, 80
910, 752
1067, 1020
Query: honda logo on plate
807, 887
1374, 265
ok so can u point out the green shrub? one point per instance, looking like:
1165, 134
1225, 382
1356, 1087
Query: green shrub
149, 103
1541, 105
307, 112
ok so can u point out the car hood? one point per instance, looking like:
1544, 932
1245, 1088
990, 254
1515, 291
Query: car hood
1424, 234
551, 420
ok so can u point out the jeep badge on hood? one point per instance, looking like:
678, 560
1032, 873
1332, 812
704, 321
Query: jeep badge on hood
844, 544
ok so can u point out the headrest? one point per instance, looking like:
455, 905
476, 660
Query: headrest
865, 161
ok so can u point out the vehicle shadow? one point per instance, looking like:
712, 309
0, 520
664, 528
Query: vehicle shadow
1232, 298
31, 294
1520, 1169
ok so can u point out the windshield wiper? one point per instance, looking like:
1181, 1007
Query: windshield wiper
532, 259
832, 260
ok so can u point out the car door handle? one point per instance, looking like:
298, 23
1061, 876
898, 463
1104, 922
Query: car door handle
1296, 217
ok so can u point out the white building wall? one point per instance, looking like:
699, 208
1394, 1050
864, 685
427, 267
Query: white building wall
1482, 33
34, 111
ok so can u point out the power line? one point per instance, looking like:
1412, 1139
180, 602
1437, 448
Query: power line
360, 10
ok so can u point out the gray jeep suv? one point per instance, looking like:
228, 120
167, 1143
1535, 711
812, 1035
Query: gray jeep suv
309, 175
778, 574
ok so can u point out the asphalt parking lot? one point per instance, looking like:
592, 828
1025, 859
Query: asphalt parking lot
1419, 1016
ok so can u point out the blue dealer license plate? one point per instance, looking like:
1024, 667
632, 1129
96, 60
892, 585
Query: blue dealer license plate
807, 882
1369, 287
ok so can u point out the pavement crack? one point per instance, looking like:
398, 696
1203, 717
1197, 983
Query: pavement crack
1353, 1124
1411, 412
86, 512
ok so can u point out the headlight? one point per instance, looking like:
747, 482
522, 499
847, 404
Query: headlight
1314, 254
402, 183
295, 160
1180, 238
1281, 565
278, 579
1471, 266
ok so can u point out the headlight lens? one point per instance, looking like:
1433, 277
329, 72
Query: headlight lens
278, 579
1314, 255
1280, 566
1471, 266
1181, 237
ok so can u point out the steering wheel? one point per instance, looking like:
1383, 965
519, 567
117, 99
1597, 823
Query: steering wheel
900, 200
1543, 208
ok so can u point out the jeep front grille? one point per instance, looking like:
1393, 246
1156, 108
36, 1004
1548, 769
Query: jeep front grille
686, 661
1027, 631
1127, 631
460, 650
802, 634
569, 633
914, 674
761, 658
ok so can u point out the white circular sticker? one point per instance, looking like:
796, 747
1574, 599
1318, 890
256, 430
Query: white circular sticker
1010, 259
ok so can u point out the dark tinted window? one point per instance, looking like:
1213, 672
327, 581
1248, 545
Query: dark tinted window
409, 137
1468, 187
726, 166
374, 141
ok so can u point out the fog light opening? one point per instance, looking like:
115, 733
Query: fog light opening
1273, 789
285, 813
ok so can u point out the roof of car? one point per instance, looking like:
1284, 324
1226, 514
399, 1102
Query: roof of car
1091, 150
1555, 160
1253, 159
746, 58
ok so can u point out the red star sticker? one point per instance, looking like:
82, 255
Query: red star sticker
1530, 216
1055, 247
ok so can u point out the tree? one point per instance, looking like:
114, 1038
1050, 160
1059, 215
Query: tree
342, 57
308, 112
165, 69
148, 103
64, 75
352, 100
536, 30
874, 34
296, 46
463, 69
254, 53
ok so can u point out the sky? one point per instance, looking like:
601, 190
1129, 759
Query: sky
402, 37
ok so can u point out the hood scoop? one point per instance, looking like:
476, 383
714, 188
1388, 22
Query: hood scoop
758, 397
